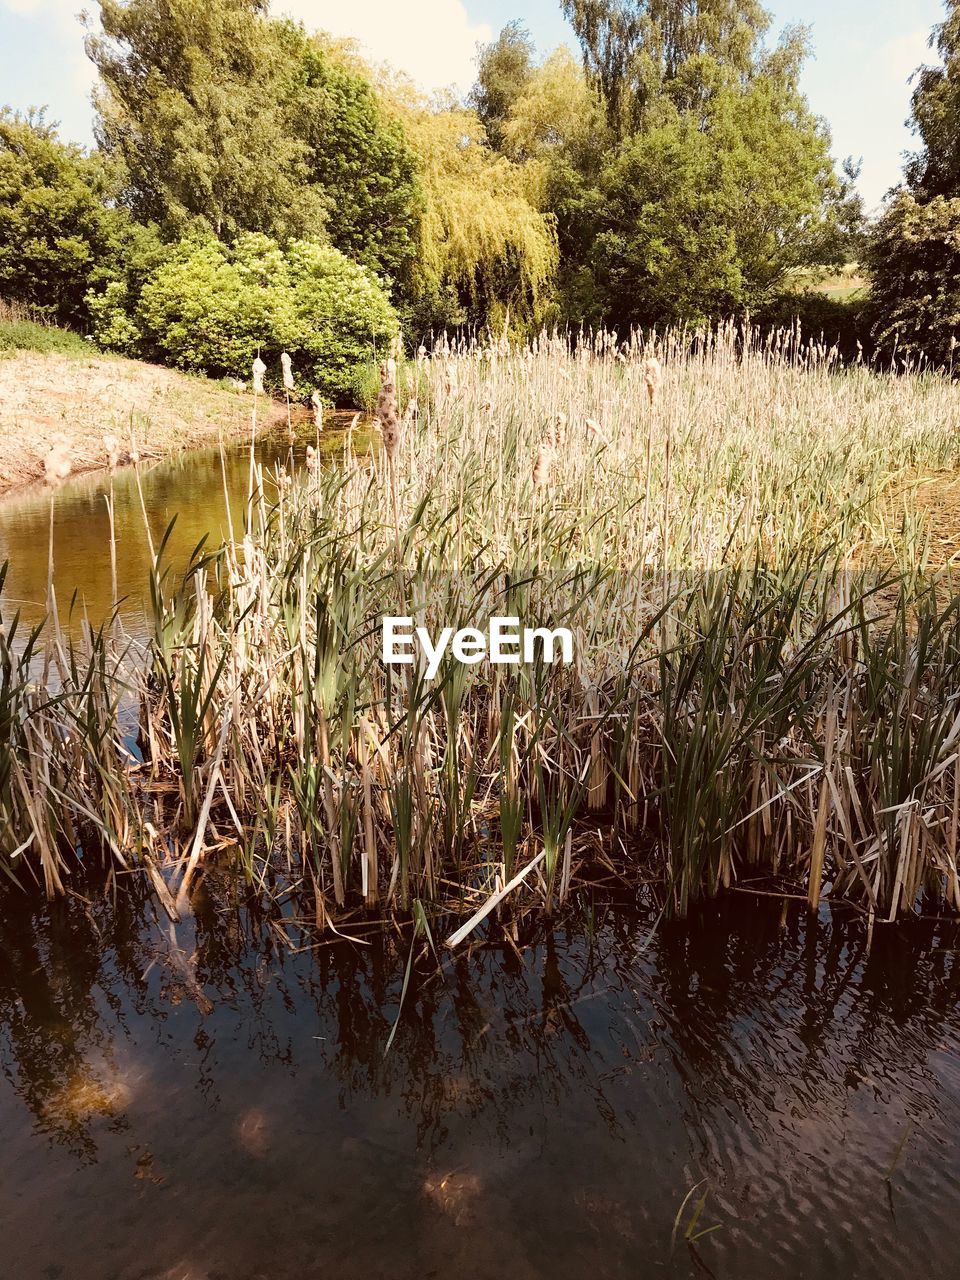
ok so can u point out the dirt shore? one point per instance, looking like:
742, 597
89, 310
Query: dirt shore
45, 399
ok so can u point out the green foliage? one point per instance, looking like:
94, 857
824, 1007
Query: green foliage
702, 216
358, 156
843, 323
914, 263
53, 222
212, 308
27, 335
485, 246
225, 118
935, 169
191, 103
637, 51
504, 70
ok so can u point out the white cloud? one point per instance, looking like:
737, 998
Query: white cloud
434, 41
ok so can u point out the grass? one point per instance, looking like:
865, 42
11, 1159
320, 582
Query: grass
28, 335
767, 672
845, 285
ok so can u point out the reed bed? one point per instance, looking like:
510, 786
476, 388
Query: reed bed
766, 669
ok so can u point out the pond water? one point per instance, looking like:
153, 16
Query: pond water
207, 1104
190, 487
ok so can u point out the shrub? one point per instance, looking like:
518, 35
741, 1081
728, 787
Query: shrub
840, 322
914, 261
211, 308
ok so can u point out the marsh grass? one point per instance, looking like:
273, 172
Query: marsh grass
765, 683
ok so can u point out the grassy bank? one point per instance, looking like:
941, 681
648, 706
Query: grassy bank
766, 674
57, 392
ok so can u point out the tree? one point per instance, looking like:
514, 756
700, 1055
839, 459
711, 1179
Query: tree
914, 264
702, 217
484, 246
53, 221
191, 101
504, 70
637, 50
357, 155
935, 169
226, 118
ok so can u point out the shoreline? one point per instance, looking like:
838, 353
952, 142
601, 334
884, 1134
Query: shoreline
77, 401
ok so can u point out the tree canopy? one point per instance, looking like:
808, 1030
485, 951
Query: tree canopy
935, 169
54, 223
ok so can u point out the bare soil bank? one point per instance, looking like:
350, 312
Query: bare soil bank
47, 398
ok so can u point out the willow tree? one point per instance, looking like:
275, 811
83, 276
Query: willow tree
485, 247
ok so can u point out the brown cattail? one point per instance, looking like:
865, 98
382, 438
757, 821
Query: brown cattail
387, 408
58, 463
258, 369
653, 377
112, 445
317, 410
287, 365
542, 467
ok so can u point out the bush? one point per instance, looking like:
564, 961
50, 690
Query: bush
211, 308
914, 260
840, 322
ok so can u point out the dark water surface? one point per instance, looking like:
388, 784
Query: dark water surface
220, 1108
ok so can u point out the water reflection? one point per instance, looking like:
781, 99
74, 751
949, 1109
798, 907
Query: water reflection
190, 487
225, 1104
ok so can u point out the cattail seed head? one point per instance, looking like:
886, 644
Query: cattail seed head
112, 446
287, 365
258, 369
653, 378
58, 463
317, 404
387, 408
543, 467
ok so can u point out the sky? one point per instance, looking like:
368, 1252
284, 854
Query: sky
858, 79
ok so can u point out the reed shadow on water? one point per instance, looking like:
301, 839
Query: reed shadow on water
543, 1111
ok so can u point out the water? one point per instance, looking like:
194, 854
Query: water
224, 1110
190, 487
209, 1104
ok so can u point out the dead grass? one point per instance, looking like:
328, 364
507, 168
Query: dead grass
82, 398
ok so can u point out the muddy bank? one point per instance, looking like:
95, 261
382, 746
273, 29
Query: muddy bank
151, 411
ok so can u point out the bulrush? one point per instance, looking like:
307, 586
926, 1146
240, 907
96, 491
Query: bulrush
653, 377
287, 365
112, 446
58, 463
387, 408
317, 405
258, 369
543, 467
